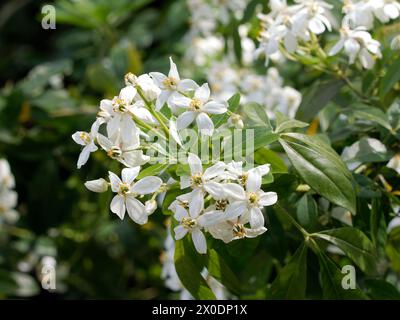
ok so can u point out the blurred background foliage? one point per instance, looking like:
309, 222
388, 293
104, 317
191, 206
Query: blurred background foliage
51, 83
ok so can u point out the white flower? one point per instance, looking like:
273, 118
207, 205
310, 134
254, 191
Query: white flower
127, 190
386, 10
395, 43
117, 115
146, 84
358, 13
312, 16
170, 85
249, 201
98, 185
125, 152
357, 43
6, 177
394, 163
228, 231
190, 222
198, 108
202, 181
87, 140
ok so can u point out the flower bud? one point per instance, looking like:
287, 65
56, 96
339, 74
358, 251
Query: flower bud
236, 121
395, 44
130, 79
150, 206
99, 185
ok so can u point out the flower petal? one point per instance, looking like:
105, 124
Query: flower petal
117, 206
268, 198
129, 174
180, 232
256, 218
215, 189
187, 84
234, 191
199, 241
203, 93
136, 210
185, 119
235, 210
215, 107
195, 164
253, 183
215, 170
180, 213
196, 205
173, 71
147, 185
205, 124
114, 181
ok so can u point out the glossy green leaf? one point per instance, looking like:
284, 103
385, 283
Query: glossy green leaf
189, 272
321, 168
391, 77
316, 97
331, 281
355, 244
307, 211
291, 280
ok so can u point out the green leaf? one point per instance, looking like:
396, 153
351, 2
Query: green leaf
292, 279
391, 77
355, 244
321, 168
307, 211
283, 123
255, 115
153, 170
316, 97
331, 281
233, 105
264, 155
189, 271
220, 270
365, 112
379, 289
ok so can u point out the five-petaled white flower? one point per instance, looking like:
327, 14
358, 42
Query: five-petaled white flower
357, 43
170, 85
203, 181
191, 221
250, 201
127, 190
86, 139
198, 108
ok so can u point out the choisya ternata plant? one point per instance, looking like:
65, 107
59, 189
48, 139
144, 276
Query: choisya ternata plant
213, 198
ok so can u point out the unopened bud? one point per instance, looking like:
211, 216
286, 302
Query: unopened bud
150, 206
99, 185
395, 44
236, 121
130, 79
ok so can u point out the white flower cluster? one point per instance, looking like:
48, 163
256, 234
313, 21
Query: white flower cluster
225, 200
267, 90
234, 197
206, 49
288, 25
8, 197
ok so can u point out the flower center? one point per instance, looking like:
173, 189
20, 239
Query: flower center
124, 189
188, 223
196, 180
242, 179
195, 104
119, 105
239, 230
114, 152
184, 203
85, 137
170, 82
221, 204
253, 198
